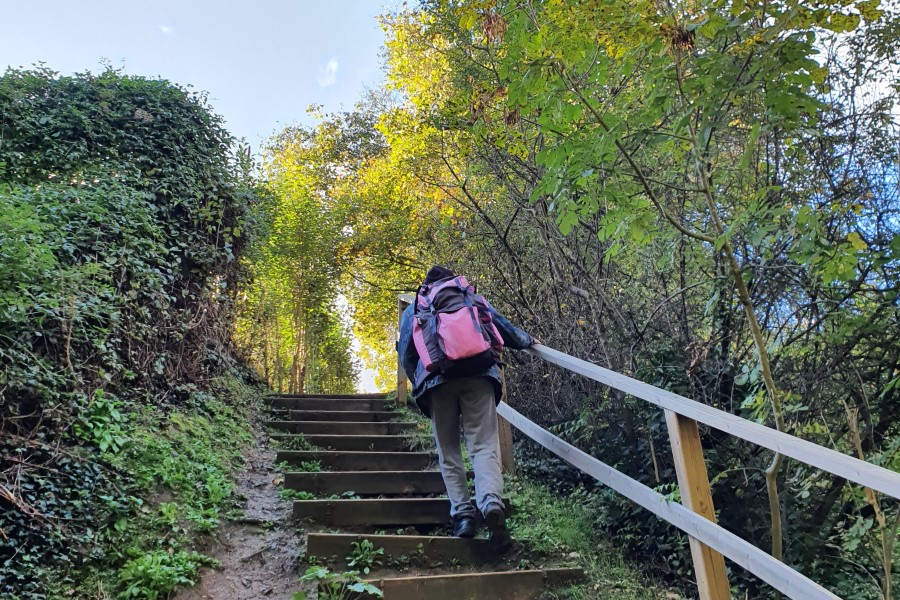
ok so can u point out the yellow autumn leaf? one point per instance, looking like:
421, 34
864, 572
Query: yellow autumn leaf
856, 241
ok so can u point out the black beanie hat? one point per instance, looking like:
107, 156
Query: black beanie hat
436, 273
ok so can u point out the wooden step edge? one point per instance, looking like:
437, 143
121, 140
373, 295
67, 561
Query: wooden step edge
380, 416
360, 460
368, 483
501, 585
335, 547
377, 511
333, 404
373, 424
553, 576
358, 442
342, 428
337, 435
330, 396
341, 474
344, 423
362, 502
357, 453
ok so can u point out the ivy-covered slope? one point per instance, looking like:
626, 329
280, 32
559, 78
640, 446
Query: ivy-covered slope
125, 207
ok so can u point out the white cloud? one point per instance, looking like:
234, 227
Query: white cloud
167, 31
328, 73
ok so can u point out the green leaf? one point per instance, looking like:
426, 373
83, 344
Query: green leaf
750, 149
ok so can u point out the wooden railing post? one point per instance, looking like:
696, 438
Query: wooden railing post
402, 382
507, 461
693, 482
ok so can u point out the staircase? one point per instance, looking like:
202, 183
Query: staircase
373, 486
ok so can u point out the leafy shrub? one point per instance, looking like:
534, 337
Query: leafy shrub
337, 586
288, 494
156, 574
125, 205
310, 466
365, 556
100, 423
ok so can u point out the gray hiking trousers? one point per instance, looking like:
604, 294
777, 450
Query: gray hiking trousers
472, 400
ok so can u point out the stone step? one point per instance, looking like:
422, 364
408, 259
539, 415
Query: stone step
357, 416
331, 404
330, 396
360, 461
374, 443
375, 512
342, 427
422, 549
367, 483
507, 585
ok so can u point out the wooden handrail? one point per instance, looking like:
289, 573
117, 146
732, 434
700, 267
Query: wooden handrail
848, 467
709, 541
772, 571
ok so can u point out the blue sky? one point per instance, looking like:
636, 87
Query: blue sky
262, 61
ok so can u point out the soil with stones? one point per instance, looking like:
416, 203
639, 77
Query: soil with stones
260, 552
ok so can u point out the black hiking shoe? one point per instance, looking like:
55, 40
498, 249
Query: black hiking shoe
495, 517
463, 527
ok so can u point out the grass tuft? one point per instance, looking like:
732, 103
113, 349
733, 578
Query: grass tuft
564, 528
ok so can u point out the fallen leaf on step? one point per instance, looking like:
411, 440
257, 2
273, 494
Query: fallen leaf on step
278, 480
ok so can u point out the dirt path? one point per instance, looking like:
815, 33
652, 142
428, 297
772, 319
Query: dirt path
260, 553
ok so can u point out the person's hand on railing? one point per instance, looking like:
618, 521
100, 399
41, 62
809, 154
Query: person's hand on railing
536, 342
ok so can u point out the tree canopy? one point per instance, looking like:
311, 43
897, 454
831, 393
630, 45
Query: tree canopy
703, 195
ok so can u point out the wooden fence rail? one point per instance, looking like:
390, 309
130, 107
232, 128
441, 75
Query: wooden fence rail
853, 469
696, 516
719, 539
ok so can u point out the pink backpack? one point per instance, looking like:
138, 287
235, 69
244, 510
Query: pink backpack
453, 330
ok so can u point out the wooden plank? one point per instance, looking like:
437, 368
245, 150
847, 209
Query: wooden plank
360, 461
431, 549
342, 427
504, 585
374, 443
374, 512
357, 416
402, 382
330, 404
375, 396
507, 459
848, 467
693, 482
364, 483
774, 572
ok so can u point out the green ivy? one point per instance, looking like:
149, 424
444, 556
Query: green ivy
126, 206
